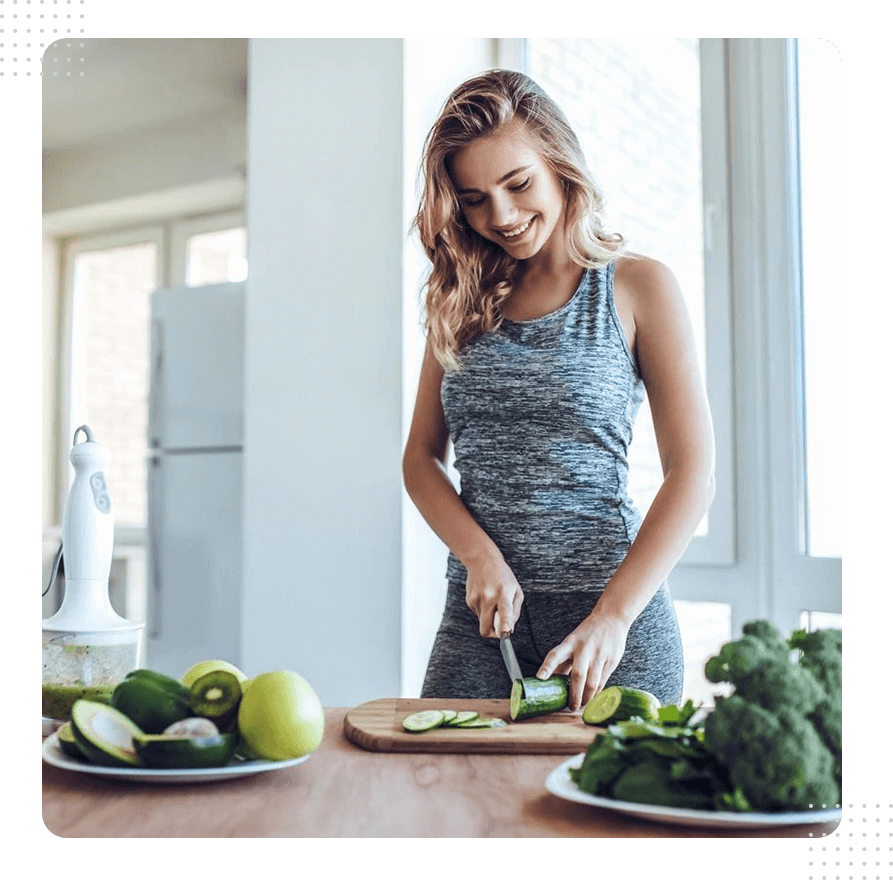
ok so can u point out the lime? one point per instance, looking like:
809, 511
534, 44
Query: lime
280, 716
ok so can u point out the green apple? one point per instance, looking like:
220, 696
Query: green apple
280, 716
196, 672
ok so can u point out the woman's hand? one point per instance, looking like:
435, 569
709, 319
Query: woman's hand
491, 586
587, 656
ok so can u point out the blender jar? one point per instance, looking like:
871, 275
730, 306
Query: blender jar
87, 665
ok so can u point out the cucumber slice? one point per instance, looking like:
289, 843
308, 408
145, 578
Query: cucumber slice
462, 717
602, 706
449, 715
421, 721
482, 722
535, 696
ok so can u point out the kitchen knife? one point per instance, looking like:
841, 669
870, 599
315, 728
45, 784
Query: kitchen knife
508, 654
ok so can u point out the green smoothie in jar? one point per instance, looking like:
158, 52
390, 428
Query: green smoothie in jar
59, 698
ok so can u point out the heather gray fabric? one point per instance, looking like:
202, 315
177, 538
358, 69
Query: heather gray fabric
540, 417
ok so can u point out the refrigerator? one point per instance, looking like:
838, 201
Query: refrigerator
194, 477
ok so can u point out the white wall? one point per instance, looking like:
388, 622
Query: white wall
162, 158
322, 561
433, 68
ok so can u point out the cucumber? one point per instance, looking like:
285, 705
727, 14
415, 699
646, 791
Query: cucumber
421, 721
449, 715
535, 696
618, 703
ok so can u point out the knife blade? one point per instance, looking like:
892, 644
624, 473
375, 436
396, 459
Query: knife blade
508, 654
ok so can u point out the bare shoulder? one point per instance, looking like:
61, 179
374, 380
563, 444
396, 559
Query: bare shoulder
642, 277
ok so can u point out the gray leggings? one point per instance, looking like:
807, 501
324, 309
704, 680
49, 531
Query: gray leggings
465, 665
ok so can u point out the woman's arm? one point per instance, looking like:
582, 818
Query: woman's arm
490, 584
665, 351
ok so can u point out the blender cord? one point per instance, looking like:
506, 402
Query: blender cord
55, 570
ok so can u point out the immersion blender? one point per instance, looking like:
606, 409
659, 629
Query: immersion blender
87, 646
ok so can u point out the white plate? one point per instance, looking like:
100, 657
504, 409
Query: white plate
54, 755
561, 785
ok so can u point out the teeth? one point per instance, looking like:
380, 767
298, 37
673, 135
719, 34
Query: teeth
517, 231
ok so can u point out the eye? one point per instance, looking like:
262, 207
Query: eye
520, 186
472, 203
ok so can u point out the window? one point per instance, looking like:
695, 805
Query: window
757, 155
111, 279
107, 282
782, 288
639, 109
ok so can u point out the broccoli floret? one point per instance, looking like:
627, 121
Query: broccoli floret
738, 659
817, 640
777, 683
768, 634
776, 759
821, 651
779, 734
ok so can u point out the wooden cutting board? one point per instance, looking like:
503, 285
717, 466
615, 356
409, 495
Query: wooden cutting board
378, 727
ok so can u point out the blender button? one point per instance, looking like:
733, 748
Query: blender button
97, 481
103, 503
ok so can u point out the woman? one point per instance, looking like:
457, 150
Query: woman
542, 337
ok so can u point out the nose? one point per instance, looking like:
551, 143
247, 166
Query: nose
503, 211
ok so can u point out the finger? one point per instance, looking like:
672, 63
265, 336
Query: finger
558, 657
485, 620
588, 693
503, 620
577, 684
517, 602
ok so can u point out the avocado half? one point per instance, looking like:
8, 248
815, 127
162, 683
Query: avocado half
104, 735
163, 751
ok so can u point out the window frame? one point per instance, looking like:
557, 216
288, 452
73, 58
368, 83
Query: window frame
70, 365
182, 229
800, 582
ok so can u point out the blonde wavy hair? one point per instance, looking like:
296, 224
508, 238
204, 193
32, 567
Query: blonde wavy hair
471, 277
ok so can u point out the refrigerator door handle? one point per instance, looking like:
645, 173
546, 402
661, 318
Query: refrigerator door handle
155, 383
154, 504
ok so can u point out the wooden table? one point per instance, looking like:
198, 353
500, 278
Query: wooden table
346, 791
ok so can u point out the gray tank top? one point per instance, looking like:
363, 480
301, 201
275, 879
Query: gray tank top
541, 416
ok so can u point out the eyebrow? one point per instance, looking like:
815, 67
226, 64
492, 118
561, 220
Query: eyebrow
502, 179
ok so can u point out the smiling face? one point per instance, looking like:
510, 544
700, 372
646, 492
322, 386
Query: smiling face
509, 195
